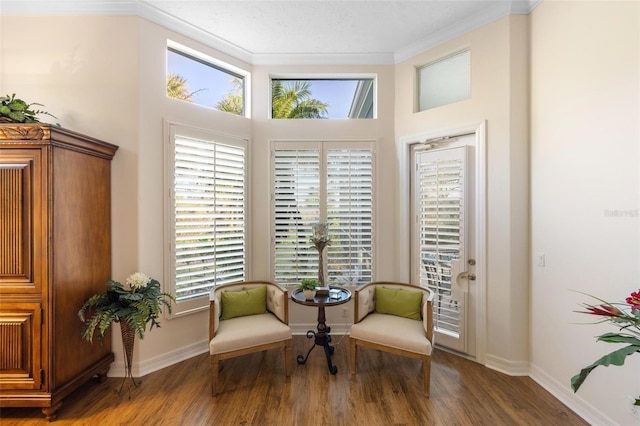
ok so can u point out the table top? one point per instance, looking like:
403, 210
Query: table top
336, 296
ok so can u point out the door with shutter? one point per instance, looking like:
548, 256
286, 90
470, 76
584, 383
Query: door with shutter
443, 203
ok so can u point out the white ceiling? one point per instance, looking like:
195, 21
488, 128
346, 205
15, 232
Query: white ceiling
325, 31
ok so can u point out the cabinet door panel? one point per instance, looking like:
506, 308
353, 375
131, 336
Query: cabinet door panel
23, 259
20, 358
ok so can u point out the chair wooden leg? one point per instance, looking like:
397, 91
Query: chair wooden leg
288, 355
215, 364
352, 355
426, 372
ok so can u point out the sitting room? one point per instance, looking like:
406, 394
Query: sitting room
457, 182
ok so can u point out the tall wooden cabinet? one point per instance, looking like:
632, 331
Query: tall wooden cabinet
55, 252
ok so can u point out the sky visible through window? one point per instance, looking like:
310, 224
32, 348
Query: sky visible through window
211, 85
337, 93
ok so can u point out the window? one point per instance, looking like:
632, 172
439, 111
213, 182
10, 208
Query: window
207, 214
445, 81
319, 98
203, 80
318, 182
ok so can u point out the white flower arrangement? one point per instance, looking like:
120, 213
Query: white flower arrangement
137, 280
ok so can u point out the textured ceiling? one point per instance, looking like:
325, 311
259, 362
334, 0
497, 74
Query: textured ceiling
268, 27
330, 27
315, 31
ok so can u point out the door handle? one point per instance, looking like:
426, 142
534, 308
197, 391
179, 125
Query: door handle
470, 277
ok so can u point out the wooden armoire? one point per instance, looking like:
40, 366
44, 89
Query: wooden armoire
55, 252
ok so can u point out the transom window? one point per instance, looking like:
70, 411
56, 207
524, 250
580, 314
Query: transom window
323, 182
319, 98
195, 77
445, 81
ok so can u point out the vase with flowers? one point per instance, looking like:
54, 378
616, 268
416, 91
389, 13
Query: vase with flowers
626, 318
133, 306
320, 240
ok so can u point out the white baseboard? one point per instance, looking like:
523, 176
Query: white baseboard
161, 361
512, 368
336, 329
568, 398
165, 360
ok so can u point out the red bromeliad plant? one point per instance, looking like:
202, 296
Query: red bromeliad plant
625, 316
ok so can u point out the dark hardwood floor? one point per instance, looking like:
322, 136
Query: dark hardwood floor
386, 391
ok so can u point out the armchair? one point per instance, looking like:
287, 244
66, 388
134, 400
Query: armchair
396, 318
248, 317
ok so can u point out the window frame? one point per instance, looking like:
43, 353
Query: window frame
222, 66
332, 76
323, 147
173, 130
421, 80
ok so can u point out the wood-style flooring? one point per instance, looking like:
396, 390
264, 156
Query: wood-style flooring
386, 391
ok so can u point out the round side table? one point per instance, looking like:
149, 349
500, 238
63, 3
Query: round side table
336, 296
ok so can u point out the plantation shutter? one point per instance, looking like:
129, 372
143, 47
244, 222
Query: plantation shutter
442, 177
209, 215
350, 215
296, 203
313, 183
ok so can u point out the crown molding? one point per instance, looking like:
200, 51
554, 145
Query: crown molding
170, 22
146, 11
323, 59
68, 7
497, 11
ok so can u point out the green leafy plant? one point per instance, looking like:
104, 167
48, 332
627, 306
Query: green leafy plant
16, 110
626, 317
309, 284
137, 304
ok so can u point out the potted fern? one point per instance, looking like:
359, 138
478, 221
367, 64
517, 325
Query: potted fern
14, 110
134, 305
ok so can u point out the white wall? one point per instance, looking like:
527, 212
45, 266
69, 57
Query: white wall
86, 74
183, 336
499, 96
584, 162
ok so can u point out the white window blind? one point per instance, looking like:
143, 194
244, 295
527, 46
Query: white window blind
296, 206
350, 215
441, 220
208, 215
315, 183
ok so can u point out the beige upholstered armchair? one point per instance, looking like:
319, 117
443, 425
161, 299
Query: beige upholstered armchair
394, 317
248, 317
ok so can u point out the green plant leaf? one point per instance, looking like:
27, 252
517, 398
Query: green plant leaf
16, 116
614, 358
18, 105
619, 338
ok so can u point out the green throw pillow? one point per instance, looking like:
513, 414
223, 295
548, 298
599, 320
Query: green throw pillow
403, 303
241, 303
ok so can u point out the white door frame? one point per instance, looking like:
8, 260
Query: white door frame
404, 248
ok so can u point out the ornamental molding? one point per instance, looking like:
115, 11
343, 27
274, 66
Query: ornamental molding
19, 132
